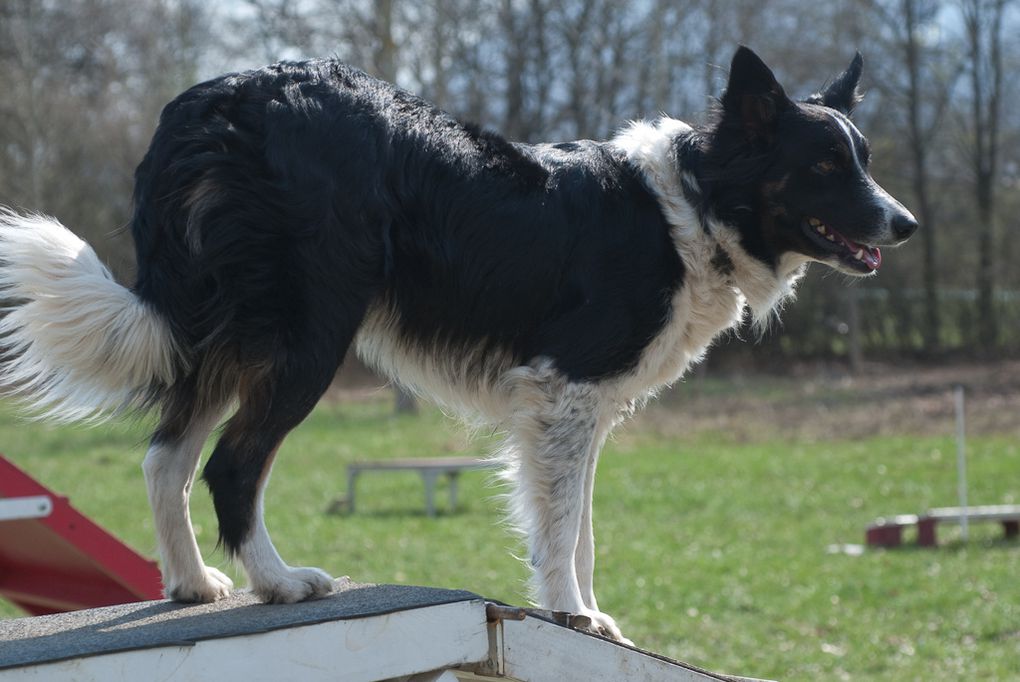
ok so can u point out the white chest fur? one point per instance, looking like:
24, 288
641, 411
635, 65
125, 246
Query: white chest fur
710, 300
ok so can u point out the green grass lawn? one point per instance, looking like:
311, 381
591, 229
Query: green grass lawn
709, 550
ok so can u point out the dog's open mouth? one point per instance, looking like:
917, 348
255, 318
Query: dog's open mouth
859, 257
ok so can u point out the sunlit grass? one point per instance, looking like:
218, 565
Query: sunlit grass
711, 551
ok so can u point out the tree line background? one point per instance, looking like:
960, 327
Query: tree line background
82, 83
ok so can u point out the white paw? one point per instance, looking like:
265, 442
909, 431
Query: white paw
292, 585
603, 625
207, 585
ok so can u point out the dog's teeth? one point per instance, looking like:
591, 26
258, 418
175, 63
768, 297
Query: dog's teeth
830, 237
860, 254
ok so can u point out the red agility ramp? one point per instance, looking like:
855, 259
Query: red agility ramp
53, 558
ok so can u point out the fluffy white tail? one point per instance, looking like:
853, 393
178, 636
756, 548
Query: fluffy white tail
75, 343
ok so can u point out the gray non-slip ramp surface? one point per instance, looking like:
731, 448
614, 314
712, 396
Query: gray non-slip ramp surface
143, 625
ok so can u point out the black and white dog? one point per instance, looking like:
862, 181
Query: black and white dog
285, 213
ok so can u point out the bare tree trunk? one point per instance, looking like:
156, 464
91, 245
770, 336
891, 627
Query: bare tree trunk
576, 33
385, 53
542, 74
438, 50
711, 43
984, 40
515, 59
919, 139
649, 77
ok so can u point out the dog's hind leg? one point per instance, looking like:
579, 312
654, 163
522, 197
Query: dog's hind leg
556, 431
584, 556
170, 466
271, 404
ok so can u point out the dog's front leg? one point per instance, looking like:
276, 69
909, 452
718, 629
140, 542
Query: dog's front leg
556, 435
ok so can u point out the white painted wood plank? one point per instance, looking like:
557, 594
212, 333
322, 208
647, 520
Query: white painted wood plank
537, 651
993, 512
364, 649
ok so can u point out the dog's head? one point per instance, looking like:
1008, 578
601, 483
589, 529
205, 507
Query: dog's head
793, 176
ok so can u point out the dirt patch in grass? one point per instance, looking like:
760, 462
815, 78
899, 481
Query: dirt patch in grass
818, 404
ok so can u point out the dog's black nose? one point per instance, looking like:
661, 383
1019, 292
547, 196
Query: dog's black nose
904, 225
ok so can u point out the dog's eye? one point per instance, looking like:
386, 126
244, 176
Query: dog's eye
824, 167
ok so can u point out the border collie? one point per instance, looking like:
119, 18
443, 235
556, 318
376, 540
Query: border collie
282, 215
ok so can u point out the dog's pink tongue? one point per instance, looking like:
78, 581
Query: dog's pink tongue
871, 257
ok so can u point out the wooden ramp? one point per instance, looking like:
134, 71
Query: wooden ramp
53, 558
360, 632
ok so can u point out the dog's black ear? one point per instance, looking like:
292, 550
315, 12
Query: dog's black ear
842, 94
753, 95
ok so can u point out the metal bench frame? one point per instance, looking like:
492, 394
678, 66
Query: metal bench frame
888, 532
430, 469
